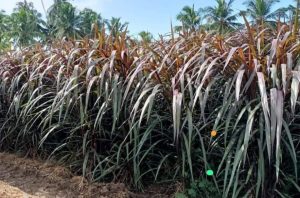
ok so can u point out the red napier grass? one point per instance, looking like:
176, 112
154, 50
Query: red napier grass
116, 110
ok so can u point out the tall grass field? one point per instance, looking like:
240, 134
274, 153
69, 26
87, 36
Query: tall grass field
113, 109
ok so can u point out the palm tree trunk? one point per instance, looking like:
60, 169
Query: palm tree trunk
221, 27
296, 19
278, 23
260, 29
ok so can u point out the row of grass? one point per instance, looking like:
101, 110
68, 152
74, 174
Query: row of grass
115, 110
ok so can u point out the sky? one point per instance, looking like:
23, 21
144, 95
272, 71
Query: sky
154, 16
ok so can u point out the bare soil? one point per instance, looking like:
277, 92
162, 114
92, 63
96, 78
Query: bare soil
21, 177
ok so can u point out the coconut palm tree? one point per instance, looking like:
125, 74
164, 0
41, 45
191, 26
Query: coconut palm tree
221, 16
115, 26
24, 24
146, 37
291, 11
3, 30
3, 16
260, 10
62, 20
281, 14
87, 18
190, 18
3, 23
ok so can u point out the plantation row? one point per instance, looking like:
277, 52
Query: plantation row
114, 110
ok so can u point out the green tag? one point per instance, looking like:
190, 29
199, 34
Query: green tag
210, 172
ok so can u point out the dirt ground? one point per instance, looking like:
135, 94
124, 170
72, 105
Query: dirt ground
21, 177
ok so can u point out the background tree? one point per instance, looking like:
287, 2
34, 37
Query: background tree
291, 13
221, 16
24, 24
190, 18
4, 39
260, 10
87, 18
115, 26
146, 36
3, 26
281, 14
63, 20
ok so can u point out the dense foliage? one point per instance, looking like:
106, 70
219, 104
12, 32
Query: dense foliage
114, 109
